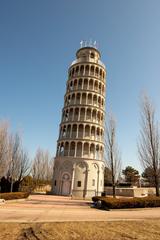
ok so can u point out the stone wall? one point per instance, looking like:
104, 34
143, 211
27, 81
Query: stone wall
131, 192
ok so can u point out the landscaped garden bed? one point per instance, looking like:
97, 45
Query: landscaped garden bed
121, 203
14, 195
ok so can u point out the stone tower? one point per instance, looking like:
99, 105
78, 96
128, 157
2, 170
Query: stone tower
79, 161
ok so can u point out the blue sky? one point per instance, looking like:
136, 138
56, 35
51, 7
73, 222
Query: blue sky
38, 41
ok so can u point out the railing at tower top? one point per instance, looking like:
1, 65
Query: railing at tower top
90, 61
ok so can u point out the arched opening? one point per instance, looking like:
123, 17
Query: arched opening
71, 114
68, 87
97, 71
87, 70
63, 116
84, 98
80, 131
77, 70
100, 72
86, 150
78, 98
72, 149
68, 100
82, 70
102, 103
89, 99
92, 151
68, 131
96, 86
98, 134
88, 115
102, 136
80, 84
101, 119
103, 89
64, 131
82, 114
92, 55
66, 149
85, 86
75, 84
98, 117
95, 100
76, 114
97, 152
71, 86
101, 153
73, 99
94, 116
99, 102
62, 149
92, 70
66, 184
93, 133
103, 75
66, 115
79, 149
91, 84
100, 87
74, 131
87, 131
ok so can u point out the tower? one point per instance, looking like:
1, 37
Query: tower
79, 161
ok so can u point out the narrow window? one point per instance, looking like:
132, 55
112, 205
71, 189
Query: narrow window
79, 184
55, 182
93, 182
92, 55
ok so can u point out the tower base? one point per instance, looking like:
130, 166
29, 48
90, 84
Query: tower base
79, 178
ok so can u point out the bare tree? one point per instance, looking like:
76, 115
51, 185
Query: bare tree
113, 159
149, 141
18, 166
42, 166
3, 147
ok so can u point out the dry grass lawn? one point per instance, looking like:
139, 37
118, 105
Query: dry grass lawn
146, 230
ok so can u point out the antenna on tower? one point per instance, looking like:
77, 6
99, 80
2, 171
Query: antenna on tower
81, 43
90, 42
95, 44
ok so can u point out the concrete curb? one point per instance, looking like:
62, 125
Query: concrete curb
16, 200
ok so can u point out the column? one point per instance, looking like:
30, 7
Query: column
75, 153
72, 184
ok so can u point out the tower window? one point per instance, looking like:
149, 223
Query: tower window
92, 55
79, 184
55, 182
93, 182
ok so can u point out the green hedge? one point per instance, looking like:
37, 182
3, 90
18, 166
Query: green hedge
118, 203
14, 195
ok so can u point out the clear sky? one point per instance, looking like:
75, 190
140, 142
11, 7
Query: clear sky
38, 41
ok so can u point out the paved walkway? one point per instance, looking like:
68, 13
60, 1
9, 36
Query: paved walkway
45, 208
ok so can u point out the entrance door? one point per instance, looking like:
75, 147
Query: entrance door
66, 184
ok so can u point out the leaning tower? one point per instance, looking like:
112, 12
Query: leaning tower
79, 161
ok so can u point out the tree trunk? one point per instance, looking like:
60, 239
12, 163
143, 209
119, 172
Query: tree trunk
114, 190
157, 186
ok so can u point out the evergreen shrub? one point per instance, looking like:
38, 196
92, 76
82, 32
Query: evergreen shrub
14, 195
121, 203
